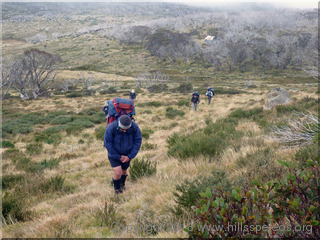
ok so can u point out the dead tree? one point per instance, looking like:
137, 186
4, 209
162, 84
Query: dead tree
32, 74
87, 80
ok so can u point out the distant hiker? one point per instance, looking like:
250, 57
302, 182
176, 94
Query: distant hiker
133, 94
123, 140
195, 100
210, 94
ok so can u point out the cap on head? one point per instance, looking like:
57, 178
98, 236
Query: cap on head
124, 122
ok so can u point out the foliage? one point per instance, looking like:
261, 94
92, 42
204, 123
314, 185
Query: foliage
142, 168
99, 132
232, 91
209, 141
240, 113
14, 208
146, 133
184, 102
107, 215
8, 181
172, 113
34, 148
61, 119
157, 88
109, 90
75, 95
147, 111
150, 104
187, 194
295, 212
6, 144
148, 146
186, 87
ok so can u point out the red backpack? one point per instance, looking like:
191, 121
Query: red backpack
117, 107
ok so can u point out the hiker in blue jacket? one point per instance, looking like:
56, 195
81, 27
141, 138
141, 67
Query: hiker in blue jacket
195, 100
123, 140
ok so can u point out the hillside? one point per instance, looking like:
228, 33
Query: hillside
55, 172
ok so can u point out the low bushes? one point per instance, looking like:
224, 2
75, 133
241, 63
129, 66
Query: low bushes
172, 113
187, 194
145, 133
209, 141
150, 104
285, 207
6, 144
142, 168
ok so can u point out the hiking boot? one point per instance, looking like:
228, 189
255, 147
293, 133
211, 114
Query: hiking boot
123, 182
118, 191
117, 186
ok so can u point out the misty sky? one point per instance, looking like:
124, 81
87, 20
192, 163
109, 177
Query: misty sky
284, 3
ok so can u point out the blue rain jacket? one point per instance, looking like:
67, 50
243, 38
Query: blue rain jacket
122, 143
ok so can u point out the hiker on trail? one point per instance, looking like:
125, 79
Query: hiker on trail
195, 100
210, 94
133, 94
123, 140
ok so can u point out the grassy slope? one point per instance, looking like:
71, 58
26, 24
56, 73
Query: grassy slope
80, 214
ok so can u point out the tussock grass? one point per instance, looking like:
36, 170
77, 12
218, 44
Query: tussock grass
70, 200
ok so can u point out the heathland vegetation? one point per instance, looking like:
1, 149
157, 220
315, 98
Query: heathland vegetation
230, 162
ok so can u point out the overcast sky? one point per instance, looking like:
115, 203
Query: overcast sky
287, 3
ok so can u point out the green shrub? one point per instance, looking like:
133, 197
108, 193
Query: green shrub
63, 119
55, 129
97, 118
307, 153
81, 141
14, 208
11, 153
150, 104
22, 130
74, 95
52, 163
147, 111
184, 88
51, 115
187, 194
146, 133
174, 124
291, 199
109, 90
148, 146
78, 125
34, 148
157, 88
108, 215
99, 132
172, 113
54, 138
184, 102
227, 91
68, 156
8, 181
54, 184
240, 113
284, 109
142, 168
209, 141
90, 111
6, 144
